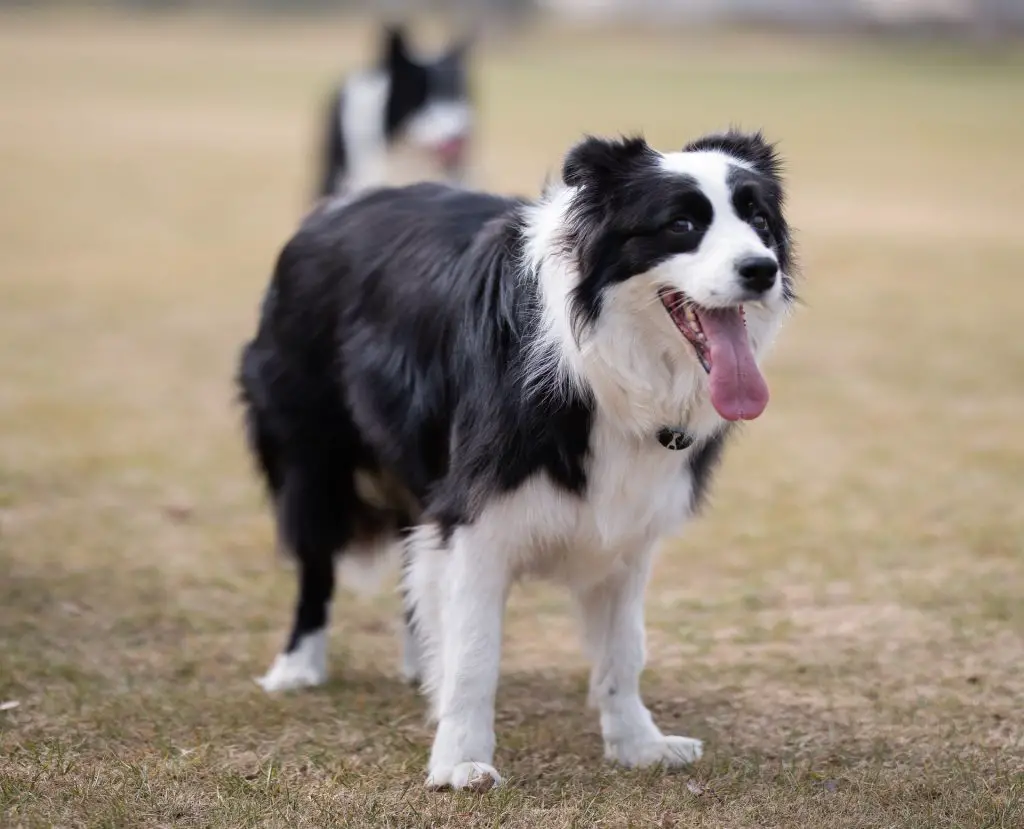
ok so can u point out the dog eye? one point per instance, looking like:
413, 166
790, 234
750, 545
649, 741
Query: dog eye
759, 222
682, 226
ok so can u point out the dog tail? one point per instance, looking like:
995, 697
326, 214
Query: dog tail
265, 447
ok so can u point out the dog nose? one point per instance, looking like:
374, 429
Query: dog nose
758, 272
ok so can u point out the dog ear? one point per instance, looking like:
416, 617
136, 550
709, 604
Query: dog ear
599, 161
750, 147
395, 50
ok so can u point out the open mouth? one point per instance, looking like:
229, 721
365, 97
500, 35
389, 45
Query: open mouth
450, 152
721, 344
684, 315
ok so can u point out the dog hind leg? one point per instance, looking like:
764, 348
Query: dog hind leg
313, 515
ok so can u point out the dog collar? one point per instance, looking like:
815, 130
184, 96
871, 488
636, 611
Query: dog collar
672, 438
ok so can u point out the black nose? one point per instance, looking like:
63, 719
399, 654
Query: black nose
758, 272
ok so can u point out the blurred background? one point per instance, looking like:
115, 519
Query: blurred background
845, 625
986, 16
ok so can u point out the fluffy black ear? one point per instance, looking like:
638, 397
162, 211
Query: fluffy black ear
750, 147
394, 49
598, 161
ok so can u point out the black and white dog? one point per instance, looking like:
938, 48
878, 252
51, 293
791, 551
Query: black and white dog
499, 388
406, 119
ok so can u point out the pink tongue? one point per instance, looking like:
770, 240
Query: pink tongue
450, 150
738, 391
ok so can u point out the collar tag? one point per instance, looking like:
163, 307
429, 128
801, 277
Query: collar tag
674, 439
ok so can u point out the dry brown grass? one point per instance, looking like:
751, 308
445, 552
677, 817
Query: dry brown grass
845, 627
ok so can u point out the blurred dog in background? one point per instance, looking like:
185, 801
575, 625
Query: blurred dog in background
407, 119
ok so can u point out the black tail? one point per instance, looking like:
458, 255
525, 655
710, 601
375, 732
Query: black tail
266, 449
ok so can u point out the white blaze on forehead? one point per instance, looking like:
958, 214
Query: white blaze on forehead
710, 169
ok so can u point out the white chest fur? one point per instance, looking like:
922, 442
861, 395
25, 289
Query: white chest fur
637, 491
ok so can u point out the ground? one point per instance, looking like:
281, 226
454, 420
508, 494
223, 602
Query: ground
844, 626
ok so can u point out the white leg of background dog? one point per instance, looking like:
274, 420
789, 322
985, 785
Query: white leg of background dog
613, 629
459, 594
412, 656
303, 667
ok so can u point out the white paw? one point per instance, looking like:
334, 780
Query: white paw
477, 777
304, 667
287, 674
668, 751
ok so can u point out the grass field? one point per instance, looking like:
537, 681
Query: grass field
844, 627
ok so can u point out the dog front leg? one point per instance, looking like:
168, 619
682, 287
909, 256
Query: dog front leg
613, 628
473, 588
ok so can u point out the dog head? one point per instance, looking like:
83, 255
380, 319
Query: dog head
429, 104
690, 245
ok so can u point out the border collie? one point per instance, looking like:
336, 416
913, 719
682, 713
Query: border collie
406, 109
496, 388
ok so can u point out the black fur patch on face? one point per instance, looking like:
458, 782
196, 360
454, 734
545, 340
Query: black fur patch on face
628, 216
409, 86
757, 199
447, 75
